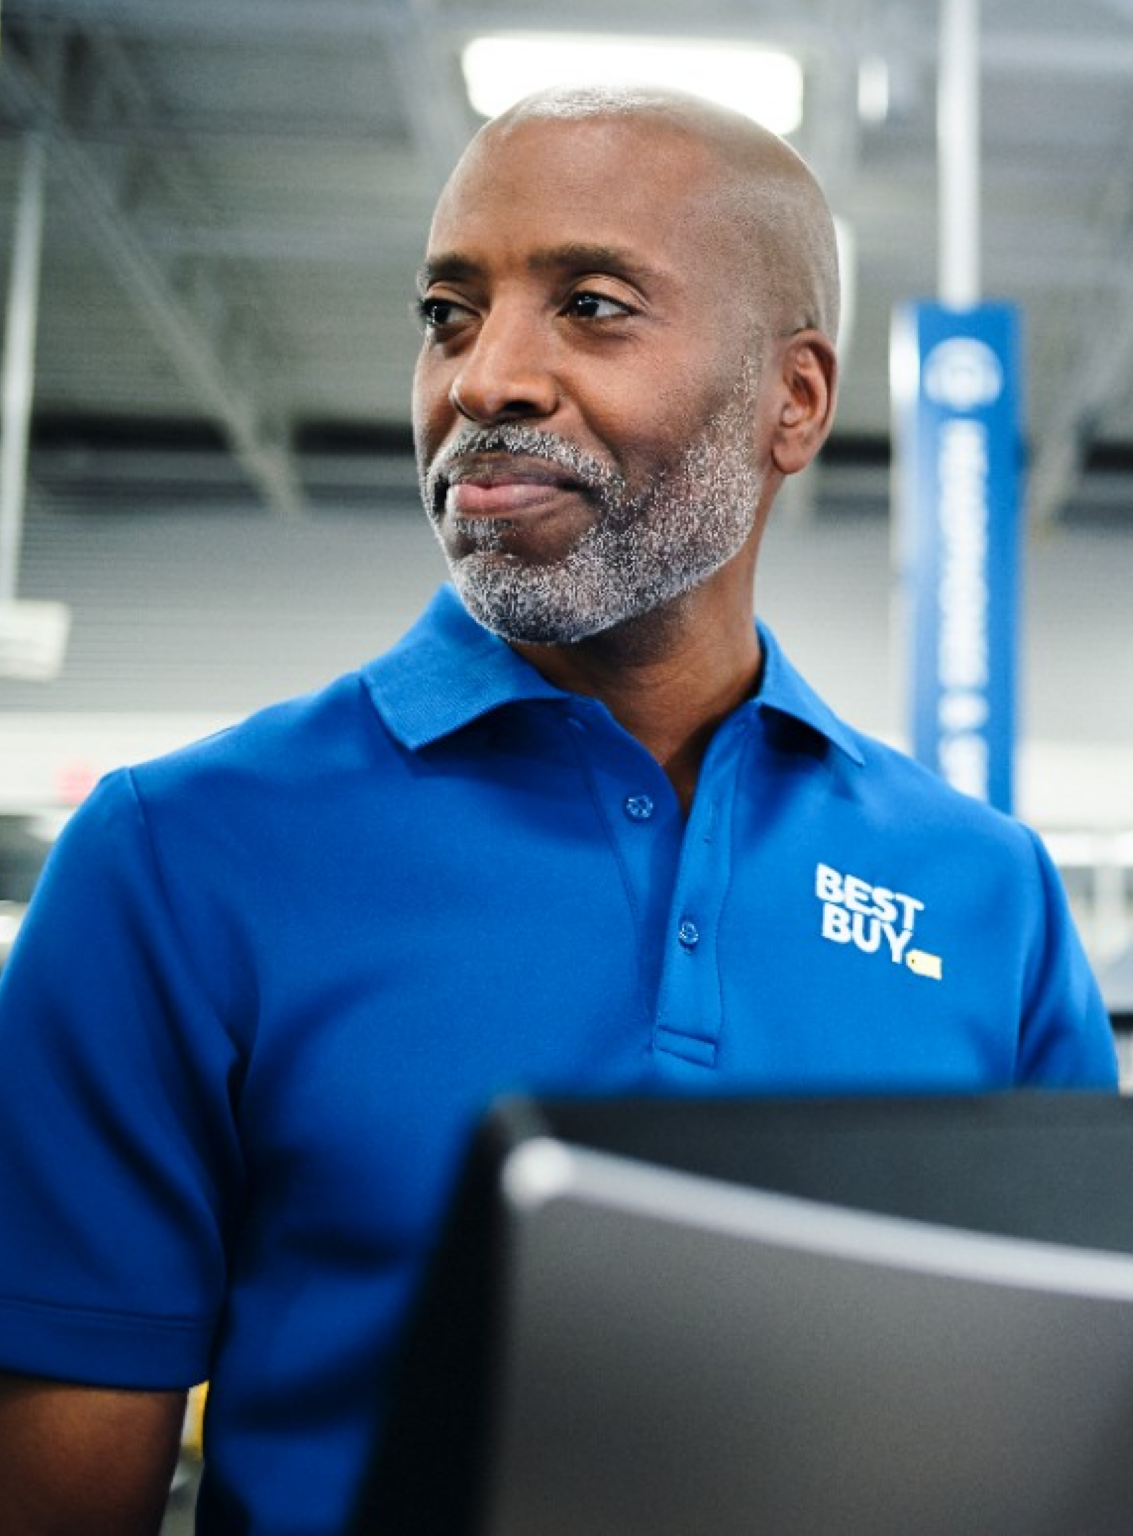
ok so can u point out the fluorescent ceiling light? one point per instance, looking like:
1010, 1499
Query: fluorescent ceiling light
762, 84
874, 91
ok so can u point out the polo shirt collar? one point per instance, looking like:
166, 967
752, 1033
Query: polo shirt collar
448, 671
788, 693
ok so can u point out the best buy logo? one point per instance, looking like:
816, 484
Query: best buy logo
877, 919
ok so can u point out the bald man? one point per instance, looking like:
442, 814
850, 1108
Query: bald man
583, 830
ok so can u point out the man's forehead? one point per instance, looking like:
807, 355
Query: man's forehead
649, 137
599, 180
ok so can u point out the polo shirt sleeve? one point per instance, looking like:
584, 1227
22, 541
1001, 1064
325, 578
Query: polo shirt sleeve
1066, 1038
120, 1168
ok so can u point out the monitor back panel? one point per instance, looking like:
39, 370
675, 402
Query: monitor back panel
682, 1356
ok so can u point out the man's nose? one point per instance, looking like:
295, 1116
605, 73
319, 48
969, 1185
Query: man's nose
506, 374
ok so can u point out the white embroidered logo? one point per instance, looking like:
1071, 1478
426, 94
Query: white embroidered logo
874, 919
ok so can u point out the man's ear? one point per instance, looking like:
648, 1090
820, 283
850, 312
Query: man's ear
809, 378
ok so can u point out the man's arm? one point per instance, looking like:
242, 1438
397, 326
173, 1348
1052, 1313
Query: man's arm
120, 1170
85, 1461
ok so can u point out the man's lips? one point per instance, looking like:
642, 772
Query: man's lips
504, 498
503, 488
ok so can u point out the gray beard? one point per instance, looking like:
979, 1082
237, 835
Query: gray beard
639, 554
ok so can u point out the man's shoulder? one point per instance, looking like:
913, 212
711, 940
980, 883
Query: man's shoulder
319, 754
889, 764
890, 789
296, 773
901, 794
286, 738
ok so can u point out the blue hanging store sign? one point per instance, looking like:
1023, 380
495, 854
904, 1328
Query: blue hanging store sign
957, 440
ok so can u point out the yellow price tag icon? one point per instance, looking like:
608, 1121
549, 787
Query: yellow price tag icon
921, 963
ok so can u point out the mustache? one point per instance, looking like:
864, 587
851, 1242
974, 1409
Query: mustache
522, 442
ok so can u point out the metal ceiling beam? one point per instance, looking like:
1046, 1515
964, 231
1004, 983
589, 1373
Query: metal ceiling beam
1101, 371
190, 325
440, 122
278, 19
1013, 51
365, 240
19, 362
1100, 374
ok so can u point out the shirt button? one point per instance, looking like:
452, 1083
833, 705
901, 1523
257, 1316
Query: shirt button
638, 807
688, 934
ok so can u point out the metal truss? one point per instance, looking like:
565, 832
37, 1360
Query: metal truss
54, 79
1098, 374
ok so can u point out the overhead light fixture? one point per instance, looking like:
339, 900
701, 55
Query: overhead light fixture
761, 83
873, 90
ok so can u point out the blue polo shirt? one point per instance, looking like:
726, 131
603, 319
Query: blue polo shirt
269, 983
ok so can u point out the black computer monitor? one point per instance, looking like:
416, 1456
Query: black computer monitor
773, 1318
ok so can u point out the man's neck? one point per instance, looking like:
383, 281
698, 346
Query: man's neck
668, 686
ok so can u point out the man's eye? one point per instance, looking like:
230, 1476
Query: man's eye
596, 306
437, 314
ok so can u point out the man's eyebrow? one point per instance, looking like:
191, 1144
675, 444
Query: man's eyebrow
448, 267
581, 256
575, 256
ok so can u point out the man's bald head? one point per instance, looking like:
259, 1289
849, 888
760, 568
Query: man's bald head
768, 198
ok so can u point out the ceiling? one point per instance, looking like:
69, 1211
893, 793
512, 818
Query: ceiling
237, 194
